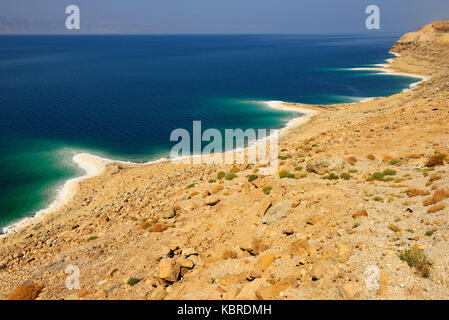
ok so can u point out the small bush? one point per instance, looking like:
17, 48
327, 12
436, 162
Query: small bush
416, 258
331, 176
212, 181
378, 175
299, 168
394, 228
437, 196
378, 198
436, 208
267, 189
394, 161
413, 192
286, 174
230, 176
133, 281
389, 172
221, 175
282, 157
252, 177
430, 233
345, 176
191, 185
436, 160
92, 238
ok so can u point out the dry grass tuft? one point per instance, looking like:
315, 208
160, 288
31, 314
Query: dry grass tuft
437, 196
436, 208
436, 160
415, 156
434, 177
387, 159
416, 258
413, 192
229, 254
371, 157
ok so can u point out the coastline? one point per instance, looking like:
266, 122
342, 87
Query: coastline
94, 165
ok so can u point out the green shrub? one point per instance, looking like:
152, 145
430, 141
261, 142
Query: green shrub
230, 176
299, 168
221, 175
416, 258
282, 157
212, 181
394, 161
331, 176
133, 281
389, 172
378, 198
191, 185
345, 176
286, 174
92, 238
378, 175
353, 171
267, 189
252, 177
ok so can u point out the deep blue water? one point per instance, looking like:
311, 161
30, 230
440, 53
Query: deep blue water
121, 96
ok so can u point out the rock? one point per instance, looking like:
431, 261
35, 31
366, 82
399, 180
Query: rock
253, 246
253, 275
249, 291
2, 266
189, 252
271, 292
186, 263
318, 165
312, 221
320, 269
265, 261
25, 292
360, 213
322, 165
212, 201
301, 248
348, 291
159, 228
231, 293
164, 252
288, 231
158, 294
110, 274
276, 212
169, 270
168, 214
383, 283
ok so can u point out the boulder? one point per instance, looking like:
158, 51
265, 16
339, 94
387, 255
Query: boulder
277, 212
168, 214
169, 270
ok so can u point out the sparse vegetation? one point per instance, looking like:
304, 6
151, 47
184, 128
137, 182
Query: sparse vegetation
436, 208
221, 175
133, 281
252, 177
378, 175
437, 196
345, 176
389, 172
378, 198
394, 228
416, 258
331, 176
394, 161
92, 238
413, 192
267, 189
286, 174
230, 176
430, 233
436, 160
212, 181
191, 185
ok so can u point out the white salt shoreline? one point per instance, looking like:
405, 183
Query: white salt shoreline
94, 165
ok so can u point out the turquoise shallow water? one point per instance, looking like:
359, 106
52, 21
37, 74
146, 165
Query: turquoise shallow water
121, 96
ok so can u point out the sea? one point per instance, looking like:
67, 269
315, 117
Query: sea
120, 96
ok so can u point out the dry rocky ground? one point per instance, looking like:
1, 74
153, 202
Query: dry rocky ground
364, 187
